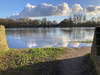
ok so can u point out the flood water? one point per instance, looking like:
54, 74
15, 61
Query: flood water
48, 37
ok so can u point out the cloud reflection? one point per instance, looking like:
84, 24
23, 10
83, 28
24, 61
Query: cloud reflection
30, 45
75, 44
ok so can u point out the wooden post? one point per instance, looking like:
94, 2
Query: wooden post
3, 43
95, 50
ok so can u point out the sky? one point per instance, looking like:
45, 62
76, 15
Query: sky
51, 9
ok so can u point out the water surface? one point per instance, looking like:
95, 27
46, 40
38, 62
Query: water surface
48, 37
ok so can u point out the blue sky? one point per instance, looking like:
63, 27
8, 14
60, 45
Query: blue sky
9, 7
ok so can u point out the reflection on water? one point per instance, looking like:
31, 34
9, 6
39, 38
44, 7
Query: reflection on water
48, 37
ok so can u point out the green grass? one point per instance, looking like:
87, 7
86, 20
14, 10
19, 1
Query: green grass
91, 64
29, 61
80, 41
89, 61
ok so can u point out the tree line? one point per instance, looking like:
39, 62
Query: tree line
77, 20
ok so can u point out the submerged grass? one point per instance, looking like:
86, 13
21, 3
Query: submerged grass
80, 41
29, 61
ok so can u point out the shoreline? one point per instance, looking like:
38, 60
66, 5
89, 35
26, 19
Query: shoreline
55, 27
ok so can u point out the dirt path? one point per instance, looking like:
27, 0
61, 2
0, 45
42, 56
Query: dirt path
73, 63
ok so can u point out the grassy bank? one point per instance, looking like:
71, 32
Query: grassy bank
36, 61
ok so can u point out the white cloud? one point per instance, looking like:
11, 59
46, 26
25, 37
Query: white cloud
98, 9
77, 8
91, 10
42, 10
50, 10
